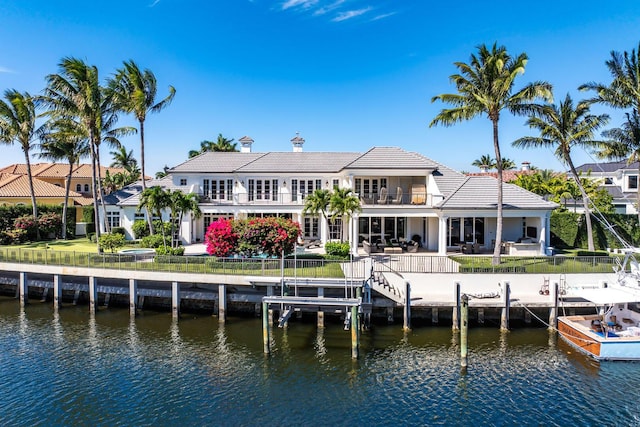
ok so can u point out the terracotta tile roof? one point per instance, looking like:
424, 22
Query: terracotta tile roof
507, 176
56, 170
18, 186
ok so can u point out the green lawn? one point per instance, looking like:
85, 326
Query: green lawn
76, 245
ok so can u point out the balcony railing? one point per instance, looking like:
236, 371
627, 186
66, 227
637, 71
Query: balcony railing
416, 198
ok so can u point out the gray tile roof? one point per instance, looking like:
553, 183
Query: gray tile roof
477, 192
289, 162
447, 179
130, 195
391, 158
606, 167
217, 162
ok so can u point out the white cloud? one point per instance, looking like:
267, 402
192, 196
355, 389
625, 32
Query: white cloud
384, 15
326, 9
5, 70
304, 4
343, 16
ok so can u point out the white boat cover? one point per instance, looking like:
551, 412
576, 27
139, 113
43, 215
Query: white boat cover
606, 296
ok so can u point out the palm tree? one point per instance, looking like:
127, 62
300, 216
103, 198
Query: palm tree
164, 172
317, 203
134, 91
182, 203
563, 127
222, 144
123, 159
343, 204
508, 164
155, 199
75, 93
63, 140
625, 143
18, 124
485, 161
485, 86
624, 90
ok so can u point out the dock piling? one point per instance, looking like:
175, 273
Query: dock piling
553, 311
407, 307
355, 333
506, 295
23, 289
93, 294
265, 328
57, 291
175, 299
320, 322
464, 324
455, 315
133, 297
222, 304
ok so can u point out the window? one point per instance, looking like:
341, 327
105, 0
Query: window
205, 188
632, 182
608, 181
86, 188
78, 188
335, 183
139, 216
335, 229
310, 227
113, 219
183, 181
263, 189
301, 187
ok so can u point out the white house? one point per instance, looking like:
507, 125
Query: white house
404, 195
619, 179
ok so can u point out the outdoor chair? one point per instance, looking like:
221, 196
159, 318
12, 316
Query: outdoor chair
382, 200
398, 198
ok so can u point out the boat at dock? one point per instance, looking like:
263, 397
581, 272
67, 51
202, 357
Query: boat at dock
613, 331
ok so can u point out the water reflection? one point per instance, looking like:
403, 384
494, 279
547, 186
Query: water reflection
112, 369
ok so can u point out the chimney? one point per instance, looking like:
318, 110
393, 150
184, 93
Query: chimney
297, 143
484, 168
245, 144
526, 166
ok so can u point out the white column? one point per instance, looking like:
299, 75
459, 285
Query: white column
353, 239
442, 235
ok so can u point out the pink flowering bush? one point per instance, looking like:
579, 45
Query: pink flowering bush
220, 238
50, 223
28, 225
270, 236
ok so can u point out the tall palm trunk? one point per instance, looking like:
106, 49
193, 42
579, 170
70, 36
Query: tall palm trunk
94, 191
66, 202
107, 229
144, 184
585, 203
638, 191
33, 193
496, 146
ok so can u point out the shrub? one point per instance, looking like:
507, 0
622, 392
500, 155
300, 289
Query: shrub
111, 241
87, 214
154, 241
118, 230
339, 249
91, 237
220, 238
140, 228
27, 224
170, 251
592, 253
50, 223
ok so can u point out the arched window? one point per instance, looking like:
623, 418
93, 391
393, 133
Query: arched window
86, 188
78, 188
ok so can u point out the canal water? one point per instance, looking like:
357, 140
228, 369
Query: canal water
75, 369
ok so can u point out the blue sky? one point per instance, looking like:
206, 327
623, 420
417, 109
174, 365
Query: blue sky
347, 74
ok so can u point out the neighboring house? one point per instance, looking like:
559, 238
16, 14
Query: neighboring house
619, 179
508, 175
49, 181
56, 174
404, 195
